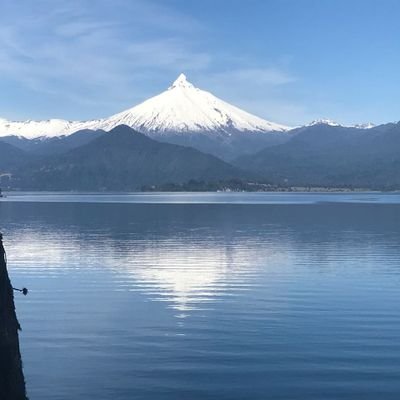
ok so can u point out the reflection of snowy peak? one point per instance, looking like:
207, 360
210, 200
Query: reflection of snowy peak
184, 108
181, 109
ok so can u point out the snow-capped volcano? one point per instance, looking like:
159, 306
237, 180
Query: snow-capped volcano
181, 109
184, 108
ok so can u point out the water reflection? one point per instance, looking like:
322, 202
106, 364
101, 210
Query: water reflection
264, 295
186, 273
189, 275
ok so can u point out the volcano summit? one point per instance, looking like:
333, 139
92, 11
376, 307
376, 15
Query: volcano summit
183, 114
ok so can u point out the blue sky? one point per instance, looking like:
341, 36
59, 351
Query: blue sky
290, 61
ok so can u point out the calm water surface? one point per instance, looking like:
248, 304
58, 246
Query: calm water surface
207, 296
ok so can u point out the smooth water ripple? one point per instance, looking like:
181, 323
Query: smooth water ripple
130, 300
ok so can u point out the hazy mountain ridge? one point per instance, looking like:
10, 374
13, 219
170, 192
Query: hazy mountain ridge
121, 160
332, 156
53, 145
11, 156
316, 155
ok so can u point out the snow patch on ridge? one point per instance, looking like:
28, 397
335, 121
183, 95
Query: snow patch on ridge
323, 121
329, 122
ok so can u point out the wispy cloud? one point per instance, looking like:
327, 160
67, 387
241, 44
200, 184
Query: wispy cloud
108, 55
260, 90
267, 76
76, 50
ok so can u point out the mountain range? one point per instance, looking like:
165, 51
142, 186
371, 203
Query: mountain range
119, 160
185, 134
326, 155
183, 114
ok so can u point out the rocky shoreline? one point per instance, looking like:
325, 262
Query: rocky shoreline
12, 382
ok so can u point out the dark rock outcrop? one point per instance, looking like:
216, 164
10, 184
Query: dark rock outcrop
12, 383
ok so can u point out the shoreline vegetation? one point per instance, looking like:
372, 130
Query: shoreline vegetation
211, 188
229, 186
236, 185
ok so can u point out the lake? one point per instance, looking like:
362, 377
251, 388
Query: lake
207, 296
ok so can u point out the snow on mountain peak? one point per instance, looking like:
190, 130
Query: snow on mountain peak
329, 122
182, 109
366, 125
323, 121
181, 82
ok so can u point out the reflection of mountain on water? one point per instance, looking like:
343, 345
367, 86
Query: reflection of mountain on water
189, 275
187, 272
189, 256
